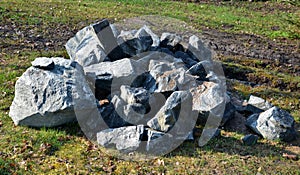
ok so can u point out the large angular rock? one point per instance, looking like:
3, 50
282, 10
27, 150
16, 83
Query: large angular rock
134, 42
108, 41
94, 44
170, 76
45, 96
132, 113
124, 139
272, 124
171, 41
198, 50
85, 47
167, 116
109, 76
208, 96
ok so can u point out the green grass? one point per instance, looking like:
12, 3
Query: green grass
243, 18
65, 150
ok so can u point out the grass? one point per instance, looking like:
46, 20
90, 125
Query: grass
241, 19
65, 150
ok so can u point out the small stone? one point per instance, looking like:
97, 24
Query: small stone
250, 139
43, 63
257, 104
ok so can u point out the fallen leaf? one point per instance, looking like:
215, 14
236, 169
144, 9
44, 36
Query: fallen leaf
290, 156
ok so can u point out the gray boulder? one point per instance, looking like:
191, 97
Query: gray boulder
85, 47
125, 139
44, 97
167, 116
272, 124
109, 76
134, 42
198, 50
208, 96
170, 76
94, 44
171, 41
132, 113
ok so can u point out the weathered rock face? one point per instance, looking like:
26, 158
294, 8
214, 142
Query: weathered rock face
44, 94
257, 104
94, 44
125, 139
272, 124
167, 116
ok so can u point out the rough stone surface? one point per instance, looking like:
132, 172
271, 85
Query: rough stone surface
171, 41
124, 139
201, 70
167, 116
198, 50
272, 124
157, 139
132, 113
250, 139
94, 44
257, 104
85, 48
189, 62
170, 76
46, 97
207, 96
108, 41
109, 76
43, 63
134, 42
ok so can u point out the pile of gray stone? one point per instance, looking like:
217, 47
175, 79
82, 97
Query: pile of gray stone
147, 90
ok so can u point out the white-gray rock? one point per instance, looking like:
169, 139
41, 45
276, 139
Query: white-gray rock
46, 97
135, 42
272, 124
115, 74
257, 104
167, 116
43, 63
124, 139
198, 50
